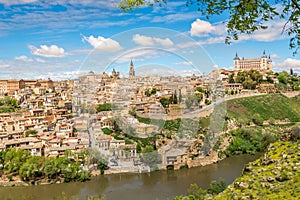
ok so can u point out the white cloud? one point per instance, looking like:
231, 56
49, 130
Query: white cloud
201, 27
274, 56
23, 58
3, 64
47, 51
184, 63
143, 40
272, 33
188, 44
101, 43
287, 64
40, 60
217, 32
213, 40
151, 41
16, 2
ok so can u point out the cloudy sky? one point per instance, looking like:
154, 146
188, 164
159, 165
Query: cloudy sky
65, 38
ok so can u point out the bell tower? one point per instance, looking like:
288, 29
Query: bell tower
131, 71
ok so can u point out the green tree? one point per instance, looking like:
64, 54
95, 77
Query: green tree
197, 192
200, 89
190, 101
165, 102
138, 148
106, 107
150, 156
53, 167
207, 102
147, 93
216, 187
175, 98
241, 76
231, 78
70, 172
32, 169
282, 77
199, 97
255, 75
107, 131
102, 165
14, 158
249, 79
30, 132
179, 96
269, 79
244, 17
153, 91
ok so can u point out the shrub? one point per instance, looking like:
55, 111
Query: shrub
216, 187
296, 133
107, 131
257, 119
30, 132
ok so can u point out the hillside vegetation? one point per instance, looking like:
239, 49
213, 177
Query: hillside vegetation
274, 176
265, 107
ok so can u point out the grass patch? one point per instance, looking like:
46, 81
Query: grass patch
271, 106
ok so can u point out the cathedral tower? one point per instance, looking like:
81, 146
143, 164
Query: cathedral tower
131, 71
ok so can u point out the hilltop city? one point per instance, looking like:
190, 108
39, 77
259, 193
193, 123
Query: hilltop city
133, 123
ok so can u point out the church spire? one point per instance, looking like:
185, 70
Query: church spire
264, 54
131, 70
236, 56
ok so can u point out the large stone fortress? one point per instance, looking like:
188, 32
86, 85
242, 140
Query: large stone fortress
263, 63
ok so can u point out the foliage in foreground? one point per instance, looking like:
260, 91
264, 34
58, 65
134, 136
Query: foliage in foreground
18, 162
195, 192
273, 176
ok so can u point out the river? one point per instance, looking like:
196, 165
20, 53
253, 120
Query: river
148, 186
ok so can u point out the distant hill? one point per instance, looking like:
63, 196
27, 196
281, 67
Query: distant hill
265, 107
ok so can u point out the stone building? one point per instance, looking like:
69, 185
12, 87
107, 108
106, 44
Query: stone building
263, 63
131, 71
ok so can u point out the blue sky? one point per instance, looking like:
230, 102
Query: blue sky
64, 38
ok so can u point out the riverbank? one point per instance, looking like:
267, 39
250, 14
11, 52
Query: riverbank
16, 181
159, 185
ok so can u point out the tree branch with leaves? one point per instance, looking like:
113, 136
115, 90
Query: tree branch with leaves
245, 16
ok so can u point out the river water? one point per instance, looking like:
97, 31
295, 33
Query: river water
148, 186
